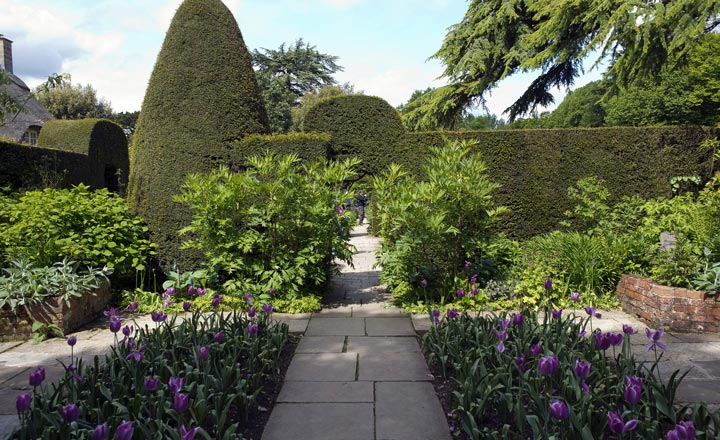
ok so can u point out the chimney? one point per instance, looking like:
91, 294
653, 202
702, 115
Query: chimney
6, 54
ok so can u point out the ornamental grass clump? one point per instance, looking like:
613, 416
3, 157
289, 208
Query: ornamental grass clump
547, 377
196, 378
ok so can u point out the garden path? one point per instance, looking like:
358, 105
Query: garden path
358, 372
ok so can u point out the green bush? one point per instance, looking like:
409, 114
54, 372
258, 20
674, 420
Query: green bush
273, 226
92, 227
438, 230
201, 98
309, 147
362, 126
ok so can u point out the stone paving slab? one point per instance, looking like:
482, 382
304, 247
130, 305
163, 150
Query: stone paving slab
336, 327
7, 425
326, 392
389, 344
5, 346
408, 411
296, 325
377, 310
321, 344
693, 390
7, 403
335, 312
325, 367
320, 421
389, 327
7, 373
393, 367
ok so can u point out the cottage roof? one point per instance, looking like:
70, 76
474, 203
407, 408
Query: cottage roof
33, 112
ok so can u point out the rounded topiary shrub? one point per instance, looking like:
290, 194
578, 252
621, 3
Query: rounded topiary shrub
363, 126
202, 96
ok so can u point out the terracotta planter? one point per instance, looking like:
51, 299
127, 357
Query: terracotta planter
671, 308
18, 325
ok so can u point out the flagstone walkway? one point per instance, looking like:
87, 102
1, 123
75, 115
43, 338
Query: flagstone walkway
358, 372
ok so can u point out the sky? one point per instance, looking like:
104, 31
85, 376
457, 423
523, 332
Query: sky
383, 45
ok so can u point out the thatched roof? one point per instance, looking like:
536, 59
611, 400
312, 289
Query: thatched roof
33, 112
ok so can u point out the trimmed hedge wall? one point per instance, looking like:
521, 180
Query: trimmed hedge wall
202, 96
308, 146
23, 166
102, 141
535, 167
363, 126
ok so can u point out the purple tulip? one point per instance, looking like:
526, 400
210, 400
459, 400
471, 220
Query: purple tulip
452, 313
251, 312
181, 402
559, 410
201, 291
582, 368
435, 313
175, 384
115, 325
127, 330
460, 293
216, 301
271, 291
673, 435
520, 362
628, 330
132, 307
686, 430
203, 353
22, 402
158, 316
187, 305
248, 298
548, 364
602, 341
617, 425
423, 283
113, 313
191, 290
219, 337
501, 336
267, 308
517, 318
72, 340
151, 383
186, 434
70, 412
124, 431
556, 314
252, 329
535, 350
575, 296
101, 432
504, 323
592, 311
585, 388
37, 377
473, 293
633, 389
582, 333
548, 284
170, 290
473, 280
654, 337
136, 355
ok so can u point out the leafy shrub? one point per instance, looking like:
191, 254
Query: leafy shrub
26, 285
708, 280
91, 227
274, 226
543, 379
438, 230
204, 374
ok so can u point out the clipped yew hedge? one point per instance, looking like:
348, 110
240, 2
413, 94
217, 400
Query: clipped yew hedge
21, 166
201, 98
308, 146
363, 126
535, 167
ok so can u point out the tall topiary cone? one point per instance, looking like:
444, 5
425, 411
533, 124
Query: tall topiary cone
201, 97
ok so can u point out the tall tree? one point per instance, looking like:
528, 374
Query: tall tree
581, 107
67, 101
286, 74
499, 38
311, 98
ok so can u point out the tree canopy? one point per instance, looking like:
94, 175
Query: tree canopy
67, 101
500, 38
286, 74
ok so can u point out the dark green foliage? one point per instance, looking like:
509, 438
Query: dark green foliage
580, 108
23, 166
92, 227
307, 146
533, 167
362, 126
202, 96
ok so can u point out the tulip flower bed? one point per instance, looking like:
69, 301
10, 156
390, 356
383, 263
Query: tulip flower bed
517, 377
199, 378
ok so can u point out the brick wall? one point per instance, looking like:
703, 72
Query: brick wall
671, 308
18, 326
